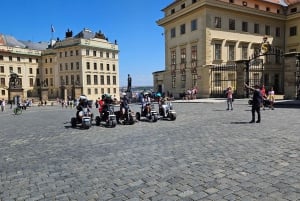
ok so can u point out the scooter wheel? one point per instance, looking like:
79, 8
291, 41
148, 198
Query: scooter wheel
154, 118
97, 120
138, 116
73, 122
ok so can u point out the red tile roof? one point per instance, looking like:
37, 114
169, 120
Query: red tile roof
290, 2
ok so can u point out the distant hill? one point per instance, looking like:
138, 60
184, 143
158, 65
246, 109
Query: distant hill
138, 88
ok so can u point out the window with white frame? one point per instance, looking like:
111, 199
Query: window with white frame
231, 52
277, 32
194, 56
217, 22
95, 79
245, 26
182, 29
173, 81
244, 51
173, 33
293, 31
108, 80
217, 51
183, 81
231, 24
256, 28
102, 79
183, 56
267, 30
194, 25
173, 59
88, 79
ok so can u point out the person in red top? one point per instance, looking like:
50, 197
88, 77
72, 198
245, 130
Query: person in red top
101, 104
263, 94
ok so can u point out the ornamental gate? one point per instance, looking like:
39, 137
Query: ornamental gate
263, 67
222, 76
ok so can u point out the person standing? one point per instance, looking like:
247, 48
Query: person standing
271, 97
264, 96
3, 105
229, 95
256, 103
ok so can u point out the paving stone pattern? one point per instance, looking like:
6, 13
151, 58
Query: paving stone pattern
208, 153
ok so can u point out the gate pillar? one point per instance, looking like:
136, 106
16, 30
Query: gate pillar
241, 79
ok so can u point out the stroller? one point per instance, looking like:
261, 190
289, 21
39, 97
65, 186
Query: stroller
265, 103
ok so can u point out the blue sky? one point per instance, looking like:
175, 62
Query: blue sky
131, 22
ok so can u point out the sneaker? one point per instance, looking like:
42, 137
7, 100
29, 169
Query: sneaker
251, 121
257, 121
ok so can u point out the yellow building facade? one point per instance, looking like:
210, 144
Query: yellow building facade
201, 35
86, 63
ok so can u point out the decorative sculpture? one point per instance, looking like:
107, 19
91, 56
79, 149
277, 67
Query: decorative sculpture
129, 83
14, 80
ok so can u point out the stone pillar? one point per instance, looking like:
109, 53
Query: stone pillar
77, 90
44, 94
240, 81
290, 71
63, 93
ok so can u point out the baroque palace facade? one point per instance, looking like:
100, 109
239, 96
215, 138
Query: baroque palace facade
213, 44
86, 63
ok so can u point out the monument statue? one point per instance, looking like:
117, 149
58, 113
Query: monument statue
129, 83
14, 80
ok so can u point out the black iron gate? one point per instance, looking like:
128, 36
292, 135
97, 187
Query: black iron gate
255, 75
221, 77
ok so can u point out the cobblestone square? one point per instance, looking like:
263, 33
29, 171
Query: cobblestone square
208, 153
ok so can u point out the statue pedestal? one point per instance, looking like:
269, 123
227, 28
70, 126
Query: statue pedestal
15, 94
129, 95
77, 91
44, 94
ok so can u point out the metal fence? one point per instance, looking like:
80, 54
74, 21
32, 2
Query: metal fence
222, 76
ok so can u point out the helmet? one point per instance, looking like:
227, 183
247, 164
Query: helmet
82, 97
124, 94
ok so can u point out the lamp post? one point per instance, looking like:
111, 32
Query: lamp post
298, 76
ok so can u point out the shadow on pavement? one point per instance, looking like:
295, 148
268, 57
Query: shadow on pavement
239, 122
287, 104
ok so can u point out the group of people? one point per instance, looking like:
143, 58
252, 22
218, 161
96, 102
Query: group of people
259, 99
191, 94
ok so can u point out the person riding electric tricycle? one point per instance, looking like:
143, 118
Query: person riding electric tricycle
106, 111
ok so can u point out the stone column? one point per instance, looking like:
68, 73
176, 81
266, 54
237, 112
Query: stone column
240, 80
290, 71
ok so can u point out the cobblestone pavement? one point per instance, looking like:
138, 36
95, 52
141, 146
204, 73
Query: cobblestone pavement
208, 153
